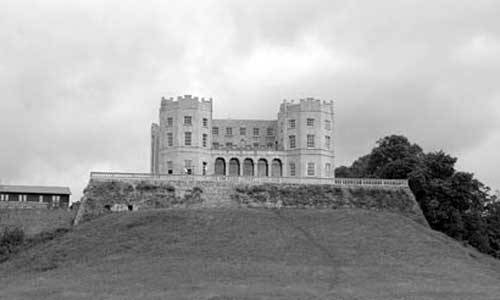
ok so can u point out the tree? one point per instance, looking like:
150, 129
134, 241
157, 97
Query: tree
452, 202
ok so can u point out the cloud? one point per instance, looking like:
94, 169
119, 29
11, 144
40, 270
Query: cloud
81, 80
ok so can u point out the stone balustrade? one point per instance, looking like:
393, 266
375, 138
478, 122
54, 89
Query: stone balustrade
251, 179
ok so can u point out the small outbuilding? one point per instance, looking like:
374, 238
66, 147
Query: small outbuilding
27, 196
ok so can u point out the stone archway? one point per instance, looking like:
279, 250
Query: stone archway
248, 167
234, 167
262, 168
220, 166
276, 168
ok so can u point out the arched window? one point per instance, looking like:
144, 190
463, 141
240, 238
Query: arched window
248, 167
262, 168
234, 167
276, 168
220, 166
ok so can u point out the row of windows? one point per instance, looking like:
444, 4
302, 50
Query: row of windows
188, 167
187, 139
188, 121
310, 141
311, 169
310, 123
292, 141
24, 198
243, 131
255, 145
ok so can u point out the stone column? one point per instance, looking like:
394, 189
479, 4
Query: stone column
227, 166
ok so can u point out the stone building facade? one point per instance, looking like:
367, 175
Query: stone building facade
299, 143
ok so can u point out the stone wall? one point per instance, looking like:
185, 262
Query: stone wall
23, 205
108, 195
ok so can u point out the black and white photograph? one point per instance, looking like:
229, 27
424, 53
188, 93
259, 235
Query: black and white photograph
247, 150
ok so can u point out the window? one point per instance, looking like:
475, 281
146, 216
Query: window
292, 169
270, 131
310, 140
291, 123
229, 145
170, 167
229, 131
22, 198
187, 138
204, 140
215, 130
204, 168
310, 169
55, 201
270, 145
188, 169
256, 131
170, 122
327, 142
170, 139
328, 169
188, 120
243, 131
328, 125
256, 145
291, 138
215, 145
4, 197
205, 122
310, 122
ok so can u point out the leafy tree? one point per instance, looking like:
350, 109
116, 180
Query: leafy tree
452, 202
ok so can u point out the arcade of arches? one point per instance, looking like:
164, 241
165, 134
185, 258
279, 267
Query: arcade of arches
248, 167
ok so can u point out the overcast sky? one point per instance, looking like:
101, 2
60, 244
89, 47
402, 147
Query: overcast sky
81, 81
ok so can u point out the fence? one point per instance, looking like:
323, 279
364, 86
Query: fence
251, 179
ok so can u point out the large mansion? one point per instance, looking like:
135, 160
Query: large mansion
299, 143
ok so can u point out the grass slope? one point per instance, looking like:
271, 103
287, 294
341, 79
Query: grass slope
251, 254
34, 221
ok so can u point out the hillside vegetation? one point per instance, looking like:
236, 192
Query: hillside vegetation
251, 254
35, 221
452, 201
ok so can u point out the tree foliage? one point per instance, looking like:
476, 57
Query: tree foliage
453, 202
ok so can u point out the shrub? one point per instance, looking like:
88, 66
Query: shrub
11, 239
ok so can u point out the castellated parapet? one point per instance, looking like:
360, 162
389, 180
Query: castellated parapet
299, 143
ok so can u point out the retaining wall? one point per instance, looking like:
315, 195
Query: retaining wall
107, 195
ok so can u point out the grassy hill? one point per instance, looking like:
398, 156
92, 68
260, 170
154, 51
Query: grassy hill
34, 221
251, 254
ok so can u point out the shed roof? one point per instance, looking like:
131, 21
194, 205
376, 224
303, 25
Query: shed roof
31, 189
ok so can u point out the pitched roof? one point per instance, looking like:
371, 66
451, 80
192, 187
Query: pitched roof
30, 189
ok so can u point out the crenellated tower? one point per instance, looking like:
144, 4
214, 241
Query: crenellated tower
184, 136
306, 133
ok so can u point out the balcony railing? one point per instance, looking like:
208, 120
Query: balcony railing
251, 179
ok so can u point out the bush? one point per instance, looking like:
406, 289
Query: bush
11, 239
